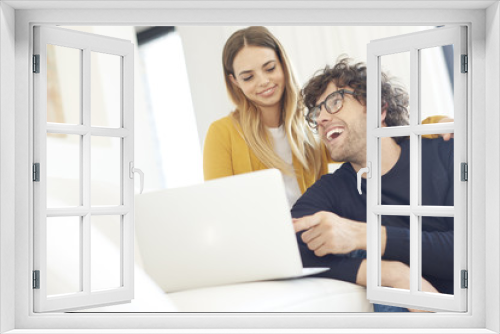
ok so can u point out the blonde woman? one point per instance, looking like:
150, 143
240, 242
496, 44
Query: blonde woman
267, 129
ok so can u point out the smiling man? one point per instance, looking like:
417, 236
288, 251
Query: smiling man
331, 216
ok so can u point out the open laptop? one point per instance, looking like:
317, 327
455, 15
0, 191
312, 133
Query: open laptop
230, 230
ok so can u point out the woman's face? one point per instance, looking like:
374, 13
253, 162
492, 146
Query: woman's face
258, 73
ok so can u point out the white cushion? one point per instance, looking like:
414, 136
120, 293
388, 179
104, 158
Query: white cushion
294, 295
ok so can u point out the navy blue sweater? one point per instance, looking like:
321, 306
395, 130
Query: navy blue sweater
338, 193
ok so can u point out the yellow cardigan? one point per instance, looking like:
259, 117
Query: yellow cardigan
226, 153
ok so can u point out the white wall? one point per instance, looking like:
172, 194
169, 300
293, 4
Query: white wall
203, 50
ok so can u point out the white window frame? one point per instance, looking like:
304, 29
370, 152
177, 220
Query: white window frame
86, 44
483, 21
411, 44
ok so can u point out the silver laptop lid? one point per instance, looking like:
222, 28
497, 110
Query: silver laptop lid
229, 230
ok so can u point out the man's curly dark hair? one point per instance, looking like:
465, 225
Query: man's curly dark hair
346, 74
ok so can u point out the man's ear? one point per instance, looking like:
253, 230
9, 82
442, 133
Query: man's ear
234, 81
384, 114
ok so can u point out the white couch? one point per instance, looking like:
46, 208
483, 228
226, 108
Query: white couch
294, 295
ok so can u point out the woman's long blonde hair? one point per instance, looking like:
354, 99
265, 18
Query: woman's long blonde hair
304, 145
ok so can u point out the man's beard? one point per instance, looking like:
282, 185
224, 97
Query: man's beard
354, 148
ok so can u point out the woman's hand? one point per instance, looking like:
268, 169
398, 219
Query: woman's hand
446, 136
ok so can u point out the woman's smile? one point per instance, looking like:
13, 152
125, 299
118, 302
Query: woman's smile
268, 92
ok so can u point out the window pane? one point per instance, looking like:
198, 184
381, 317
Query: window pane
437, 186
63, 170
393, 99
63, 84
436, 82
105, 90
395, 180
63, 255
400, 250
106, 171
105, 252
437, 253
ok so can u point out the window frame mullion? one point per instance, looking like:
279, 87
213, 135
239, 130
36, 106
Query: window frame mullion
127, 156
85, 176
415, 173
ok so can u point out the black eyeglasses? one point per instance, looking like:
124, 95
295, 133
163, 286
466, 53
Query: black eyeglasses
333, 103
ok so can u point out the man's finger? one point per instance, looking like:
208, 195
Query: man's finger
305, 223
315, 243
310, 234
321, 251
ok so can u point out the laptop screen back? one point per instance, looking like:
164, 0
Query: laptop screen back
230, 230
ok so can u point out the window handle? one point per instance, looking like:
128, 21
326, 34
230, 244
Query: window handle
136, 170
368, 171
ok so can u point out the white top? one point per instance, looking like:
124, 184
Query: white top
283, 149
